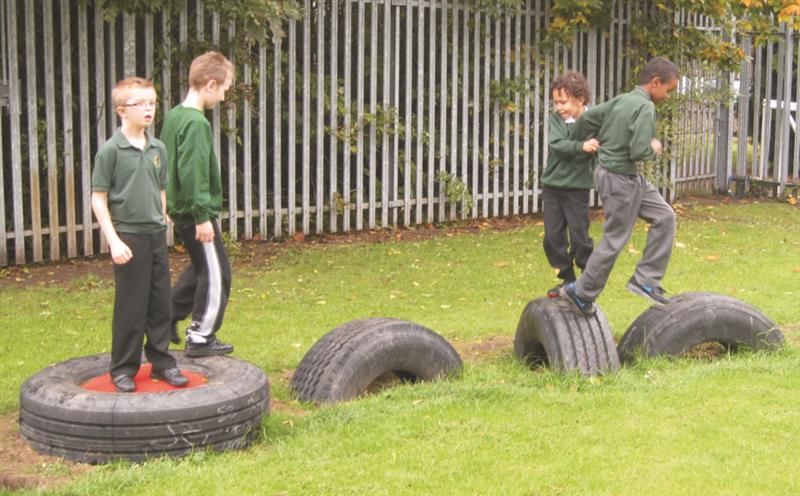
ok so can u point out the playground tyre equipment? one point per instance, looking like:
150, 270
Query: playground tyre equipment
59, 417
691, 319
551, 333
362, 355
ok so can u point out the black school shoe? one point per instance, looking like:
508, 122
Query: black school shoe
172, 376
652, 293
124, 384
583, 307
213, 348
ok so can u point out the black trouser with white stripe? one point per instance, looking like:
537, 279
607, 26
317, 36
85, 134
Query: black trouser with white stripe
202, 289
141, 305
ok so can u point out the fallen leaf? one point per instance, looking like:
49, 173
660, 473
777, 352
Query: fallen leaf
796, 269
501, 264
712, 258
679, 245
632, 249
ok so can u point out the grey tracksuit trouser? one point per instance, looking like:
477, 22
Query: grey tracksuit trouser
624, 199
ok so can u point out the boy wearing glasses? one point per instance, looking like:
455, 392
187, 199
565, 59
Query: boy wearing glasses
195, 201
128, 198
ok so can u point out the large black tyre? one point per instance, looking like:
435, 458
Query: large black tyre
690, 319
58, 417
550, 332
346, 361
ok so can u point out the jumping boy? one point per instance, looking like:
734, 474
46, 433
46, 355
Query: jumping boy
625, 128
566, 182
195, 200
128, 199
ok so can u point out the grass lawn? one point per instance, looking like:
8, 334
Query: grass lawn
658, 427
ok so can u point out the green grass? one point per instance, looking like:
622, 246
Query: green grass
657, 427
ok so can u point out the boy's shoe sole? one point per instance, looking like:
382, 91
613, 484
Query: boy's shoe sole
646, 292
587, 309
214, 348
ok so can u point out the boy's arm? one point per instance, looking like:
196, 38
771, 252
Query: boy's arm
194, 150
560, 143
167, 220
120, 252
643, 131
588, 124
164, 181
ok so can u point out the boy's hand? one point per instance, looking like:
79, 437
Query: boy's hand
204, 232
120, 252
591, 145
656, 145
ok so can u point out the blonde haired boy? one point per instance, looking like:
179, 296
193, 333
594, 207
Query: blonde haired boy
128, 199
194, 200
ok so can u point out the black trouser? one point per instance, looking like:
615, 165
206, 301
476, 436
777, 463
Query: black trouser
566, 211
141, 306
202, 289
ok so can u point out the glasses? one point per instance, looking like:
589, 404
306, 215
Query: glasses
142, 105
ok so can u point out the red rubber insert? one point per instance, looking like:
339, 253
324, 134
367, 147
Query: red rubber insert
144, 384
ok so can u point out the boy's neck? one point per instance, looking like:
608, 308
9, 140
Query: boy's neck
194, 100
135, 135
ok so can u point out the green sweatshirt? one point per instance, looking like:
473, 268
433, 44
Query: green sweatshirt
194, 192
568, 166
624, 125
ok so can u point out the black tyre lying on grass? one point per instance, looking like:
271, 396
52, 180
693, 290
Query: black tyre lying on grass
363, 355
551, 333
691, 319
58, 417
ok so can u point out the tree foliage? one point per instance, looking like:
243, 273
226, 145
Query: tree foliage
255, 18
655, 31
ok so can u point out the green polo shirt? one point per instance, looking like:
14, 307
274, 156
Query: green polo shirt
133, 179
624, 125
568, 166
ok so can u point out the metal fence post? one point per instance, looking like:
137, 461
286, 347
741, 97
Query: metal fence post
722, 142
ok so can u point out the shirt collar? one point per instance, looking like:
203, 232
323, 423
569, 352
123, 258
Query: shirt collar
642, 92
121, 141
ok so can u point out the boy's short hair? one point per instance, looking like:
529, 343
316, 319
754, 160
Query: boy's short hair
660, 67
211, 66
119, 94
573, 84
